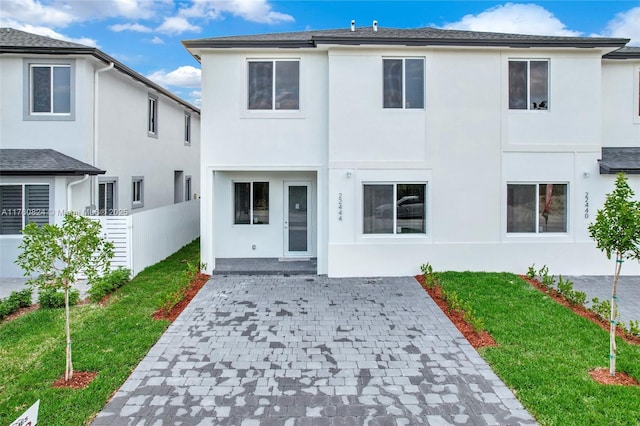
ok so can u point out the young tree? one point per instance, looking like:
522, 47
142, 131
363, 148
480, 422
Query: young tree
616, 231
59, 254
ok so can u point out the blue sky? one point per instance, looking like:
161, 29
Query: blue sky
146, 34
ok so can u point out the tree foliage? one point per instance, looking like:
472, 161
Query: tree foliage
616, 231
55, 256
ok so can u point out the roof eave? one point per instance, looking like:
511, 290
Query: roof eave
51, 172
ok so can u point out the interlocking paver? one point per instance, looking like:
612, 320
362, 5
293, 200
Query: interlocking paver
307, 350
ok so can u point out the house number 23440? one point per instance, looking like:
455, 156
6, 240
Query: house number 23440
586, 205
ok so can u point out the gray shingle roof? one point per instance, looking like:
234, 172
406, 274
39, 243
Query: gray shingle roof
625, 159
17, 38
25, 162
397, 36
628, 52
21, 42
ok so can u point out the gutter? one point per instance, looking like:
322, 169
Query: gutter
69, 185
96, 120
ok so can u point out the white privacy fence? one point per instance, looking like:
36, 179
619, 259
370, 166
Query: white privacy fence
147, 237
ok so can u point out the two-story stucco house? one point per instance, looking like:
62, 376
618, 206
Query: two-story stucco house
81, 131
376, 150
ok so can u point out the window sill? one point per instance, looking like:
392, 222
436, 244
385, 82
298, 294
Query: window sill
273, 114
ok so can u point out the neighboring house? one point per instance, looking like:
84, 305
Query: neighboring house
81, 131
376, 150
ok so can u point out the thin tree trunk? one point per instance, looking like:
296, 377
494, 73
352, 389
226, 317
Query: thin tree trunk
612, 319
68, 371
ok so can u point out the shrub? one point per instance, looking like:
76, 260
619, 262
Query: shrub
601, 309
108, 283
15, 301
50, 298
531, 272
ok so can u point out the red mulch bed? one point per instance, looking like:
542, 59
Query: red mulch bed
194, 287
477, 340
20, 312
79, 380
601, 375
582, 311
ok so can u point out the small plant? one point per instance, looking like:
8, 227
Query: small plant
601, 309
634, 328
429, 276
564, 287
531, 272
15, 301
51, 298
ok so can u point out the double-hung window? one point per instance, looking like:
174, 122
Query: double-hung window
251, 203
152, 116
50, 91
529, 84
403, 83
536, 207
394, 208
274, 85
137, 192
23, 204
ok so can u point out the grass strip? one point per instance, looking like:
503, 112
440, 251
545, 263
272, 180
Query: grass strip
545, 351
110, 339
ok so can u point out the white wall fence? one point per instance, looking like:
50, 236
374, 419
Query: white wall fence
149, 236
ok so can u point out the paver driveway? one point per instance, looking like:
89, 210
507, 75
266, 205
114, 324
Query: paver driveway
269, 350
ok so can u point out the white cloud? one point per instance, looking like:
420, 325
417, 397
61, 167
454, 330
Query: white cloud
251, 10
36, 13
157, 40
195, 97
177, 25
47, 32
130, 27
624, 25
514, 18
185, 76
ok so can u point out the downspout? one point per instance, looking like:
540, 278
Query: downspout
95, 130
69, 185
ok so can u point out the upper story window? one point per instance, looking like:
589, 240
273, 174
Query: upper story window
536, 207
49, 90
22, 204
137, 192
396, 208
152, 116
187, 128
403, 83
529, 84
274, 85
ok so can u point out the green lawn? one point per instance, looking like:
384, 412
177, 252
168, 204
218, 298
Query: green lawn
545, 352
109, 339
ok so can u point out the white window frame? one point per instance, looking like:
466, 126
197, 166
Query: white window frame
23, 204
187, 129
152, 116
137, 201
528, 61
395, 232
103, 180
251, 183
28, 113
537, 209
272, 112
404, 83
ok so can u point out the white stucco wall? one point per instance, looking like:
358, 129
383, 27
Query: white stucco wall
125, 150
620, 103
466, 145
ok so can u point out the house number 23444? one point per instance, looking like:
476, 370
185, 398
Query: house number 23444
586, 205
